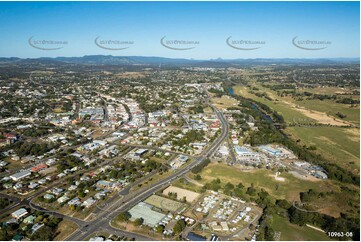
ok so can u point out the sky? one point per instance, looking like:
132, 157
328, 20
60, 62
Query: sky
207, 25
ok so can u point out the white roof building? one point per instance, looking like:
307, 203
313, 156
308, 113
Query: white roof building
19, 213
20, 175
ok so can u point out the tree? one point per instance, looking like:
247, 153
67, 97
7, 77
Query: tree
54, 221
160, 228
179, 226
198, 177
45, 233
283, 204
269, 233
124, 216
138, 221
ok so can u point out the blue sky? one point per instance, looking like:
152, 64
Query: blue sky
209, 23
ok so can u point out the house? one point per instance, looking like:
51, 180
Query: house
72, 187
57, 191
138, 154
33, 185
62, 199
104, 184
29, 219
17, 237
224, 226
20, 175
36, 227
18, 186
89, 202
50, 162
49, 196
19, 213
100, 195
11, 221
38, 167
96, 238
75, 201
42, 181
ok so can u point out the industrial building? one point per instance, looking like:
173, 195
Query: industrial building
144, 210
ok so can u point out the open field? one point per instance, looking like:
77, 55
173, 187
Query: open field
289, 114
190, 195
331, 108
295, 112
341, 145
183, 183
294, 232
285, 187
165, 203
65, 229
224, 102
288, 189
327, 90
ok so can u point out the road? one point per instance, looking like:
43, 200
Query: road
128, 201
158, 149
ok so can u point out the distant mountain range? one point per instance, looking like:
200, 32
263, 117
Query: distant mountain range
142, 60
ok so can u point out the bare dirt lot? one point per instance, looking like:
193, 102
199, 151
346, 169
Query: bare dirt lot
190, 195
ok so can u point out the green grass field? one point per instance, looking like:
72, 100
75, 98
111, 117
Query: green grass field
289, 114
288, 189
341, 145
331, 108
293, 232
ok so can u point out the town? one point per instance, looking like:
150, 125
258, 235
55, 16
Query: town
114, 155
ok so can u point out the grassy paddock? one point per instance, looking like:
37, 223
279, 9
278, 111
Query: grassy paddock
288, 189
293, 232
65, 229
341, 145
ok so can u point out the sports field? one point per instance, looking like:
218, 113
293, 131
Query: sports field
165, 203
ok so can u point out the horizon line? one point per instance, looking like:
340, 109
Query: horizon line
211, 59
